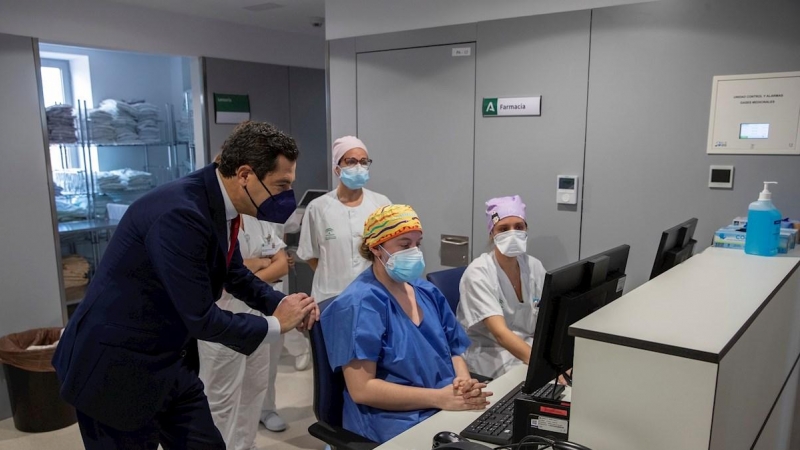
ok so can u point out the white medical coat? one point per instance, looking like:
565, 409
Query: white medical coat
485, 291
332, 233
239, 386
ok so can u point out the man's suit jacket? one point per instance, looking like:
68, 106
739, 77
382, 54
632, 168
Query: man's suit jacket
152, 296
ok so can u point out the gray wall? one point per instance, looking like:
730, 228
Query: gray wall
291, 98
266, 84
342, 67
649, 96
341, 93
634, 83
541, 55
308, 123
29, 278
307, 126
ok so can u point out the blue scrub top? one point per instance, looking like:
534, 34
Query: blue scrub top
366, 323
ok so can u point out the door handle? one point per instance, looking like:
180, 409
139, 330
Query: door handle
454, 241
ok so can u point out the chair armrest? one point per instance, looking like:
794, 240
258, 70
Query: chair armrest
340, 438
480, 378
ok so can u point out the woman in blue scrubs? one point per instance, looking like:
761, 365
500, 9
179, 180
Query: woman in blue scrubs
395, 338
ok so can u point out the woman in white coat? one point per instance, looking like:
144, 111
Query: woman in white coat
500, 292
332, 227
238, 386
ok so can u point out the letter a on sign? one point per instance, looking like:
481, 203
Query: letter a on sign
489, 106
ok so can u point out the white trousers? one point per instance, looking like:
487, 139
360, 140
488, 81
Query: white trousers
237, 387
296, 342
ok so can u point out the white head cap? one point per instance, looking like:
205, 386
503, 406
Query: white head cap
343, 145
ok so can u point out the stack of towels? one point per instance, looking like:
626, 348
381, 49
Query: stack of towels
121, 122
71, 209
147, 122
124, 180
100, 124
61, 124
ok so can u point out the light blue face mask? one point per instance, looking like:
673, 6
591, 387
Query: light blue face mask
406, 265
354, 177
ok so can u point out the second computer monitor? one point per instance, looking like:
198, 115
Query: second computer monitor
675, 247
571, 293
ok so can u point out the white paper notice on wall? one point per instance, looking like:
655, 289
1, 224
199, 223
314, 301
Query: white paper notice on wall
755, 114
462, 51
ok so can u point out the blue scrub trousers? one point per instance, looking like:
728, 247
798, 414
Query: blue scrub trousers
184, 423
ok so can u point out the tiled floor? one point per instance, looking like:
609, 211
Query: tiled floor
295, 391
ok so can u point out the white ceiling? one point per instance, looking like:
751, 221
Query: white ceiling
293, 15
349, 18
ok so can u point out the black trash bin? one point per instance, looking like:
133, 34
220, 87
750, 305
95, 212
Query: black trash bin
33, 387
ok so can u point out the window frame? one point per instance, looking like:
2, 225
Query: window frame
66, 76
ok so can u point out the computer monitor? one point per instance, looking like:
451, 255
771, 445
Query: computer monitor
309, 195
676, 246
570, 294
291, 227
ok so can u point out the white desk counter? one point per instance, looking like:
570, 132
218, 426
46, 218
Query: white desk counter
719, 291
420, 437
698, 358
703, 357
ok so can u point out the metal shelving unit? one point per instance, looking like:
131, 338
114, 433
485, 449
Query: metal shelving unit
86, 236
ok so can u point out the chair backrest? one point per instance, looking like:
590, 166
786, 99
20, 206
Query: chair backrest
328, 385
447, 281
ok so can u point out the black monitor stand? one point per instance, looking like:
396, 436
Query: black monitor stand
680, 254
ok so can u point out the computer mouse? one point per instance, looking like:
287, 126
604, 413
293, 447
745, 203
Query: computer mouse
464, 445
446, 437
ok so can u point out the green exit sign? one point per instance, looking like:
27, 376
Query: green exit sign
231, 108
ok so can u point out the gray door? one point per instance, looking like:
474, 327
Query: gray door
524, 155
415, 114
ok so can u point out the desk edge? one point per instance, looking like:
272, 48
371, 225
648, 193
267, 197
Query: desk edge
682, 352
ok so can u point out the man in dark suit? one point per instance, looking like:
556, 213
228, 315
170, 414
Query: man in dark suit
128, 358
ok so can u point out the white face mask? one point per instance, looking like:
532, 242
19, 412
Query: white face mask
512, 243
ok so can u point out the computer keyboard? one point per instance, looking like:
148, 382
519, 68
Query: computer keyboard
496, 425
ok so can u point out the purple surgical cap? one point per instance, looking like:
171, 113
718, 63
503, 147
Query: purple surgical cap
499, 208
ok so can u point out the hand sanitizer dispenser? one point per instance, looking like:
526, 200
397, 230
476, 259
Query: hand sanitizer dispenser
763, 225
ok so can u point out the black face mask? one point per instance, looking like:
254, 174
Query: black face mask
277, 208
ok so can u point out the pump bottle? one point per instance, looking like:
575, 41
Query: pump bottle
763, 225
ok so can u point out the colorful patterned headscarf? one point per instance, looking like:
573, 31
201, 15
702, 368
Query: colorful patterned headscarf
388, 222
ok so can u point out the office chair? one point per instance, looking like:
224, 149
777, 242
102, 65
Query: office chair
328, 397
447, 281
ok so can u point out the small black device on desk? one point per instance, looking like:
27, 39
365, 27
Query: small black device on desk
496, 425
445, 440
543, 418
570, 293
